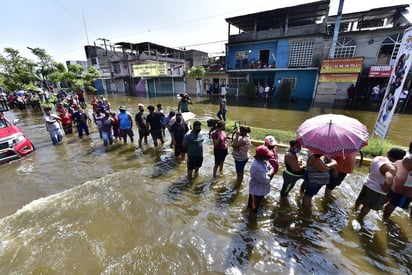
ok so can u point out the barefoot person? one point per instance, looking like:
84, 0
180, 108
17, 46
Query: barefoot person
378, 183
261, 173
317, 175
220, 146
400, 194
294, 168
193, 143
241, 144
53, 125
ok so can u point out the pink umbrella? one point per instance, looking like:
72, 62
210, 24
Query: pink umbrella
332, 135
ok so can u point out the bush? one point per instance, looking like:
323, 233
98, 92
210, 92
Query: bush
249, 90
285, 91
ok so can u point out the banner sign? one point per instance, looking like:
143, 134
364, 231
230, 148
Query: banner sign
342, 65
380, 71
353, 78
150, 70
395, 85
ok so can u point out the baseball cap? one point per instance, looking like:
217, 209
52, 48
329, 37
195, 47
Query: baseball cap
270, 140
262, 150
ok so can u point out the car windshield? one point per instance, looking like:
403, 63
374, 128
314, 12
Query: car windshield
3, 123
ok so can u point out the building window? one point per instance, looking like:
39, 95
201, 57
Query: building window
301, 54
116, 68
290, 81
389, 49
345, 47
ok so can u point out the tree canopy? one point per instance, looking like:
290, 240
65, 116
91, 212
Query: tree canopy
17, 72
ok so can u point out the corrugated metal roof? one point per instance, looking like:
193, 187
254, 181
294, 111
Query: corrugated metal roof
304, 14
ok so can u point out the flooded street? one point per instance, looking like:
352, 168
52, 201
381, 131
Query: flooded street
81, 208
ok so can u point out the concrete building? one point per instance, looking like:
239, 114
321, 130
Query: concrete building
141, 69
289, 45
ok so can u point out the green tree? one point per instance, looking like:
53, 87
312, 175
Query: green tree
285, 91
74, 76
249, 90
92, 75
197, 72
16, 71
46, 64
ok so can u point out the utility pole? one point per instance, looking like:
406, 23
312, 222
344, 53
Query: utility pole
104, 43
336, 30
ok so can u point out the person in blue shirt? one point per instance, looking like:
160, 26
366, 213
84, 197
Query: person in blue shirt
126, 124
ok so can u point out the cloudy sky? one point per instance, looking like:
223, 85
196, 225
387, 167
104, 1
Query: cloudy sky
63, 27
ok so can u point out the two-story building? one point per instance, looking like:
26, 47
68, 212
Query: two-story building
290, 44
142, 69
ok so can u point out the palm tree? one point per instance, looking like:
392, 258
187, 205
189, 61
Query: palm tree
197, 72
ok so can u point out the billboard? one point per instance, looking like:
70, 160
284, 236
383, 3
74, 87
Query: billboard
342, 65
150, 70
380, 71
395, 85
340, 69
352, 78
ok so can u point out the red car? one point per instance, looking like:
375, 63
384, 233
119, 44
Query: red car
13, 143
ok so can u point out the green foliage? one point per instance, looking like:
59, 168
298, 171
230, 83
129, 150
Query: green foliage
372, 149
196, 72
15, 70
249, 91
46, 64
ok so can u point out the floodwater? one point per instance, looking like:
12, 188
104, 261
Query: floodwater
79, 208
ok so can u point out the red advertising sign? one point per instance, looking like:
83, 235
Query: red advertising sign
380, 71
342, 65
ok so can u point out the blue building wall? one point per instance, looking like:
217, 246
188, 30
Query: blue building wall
98, 84
253, 54
305, 82
282, 54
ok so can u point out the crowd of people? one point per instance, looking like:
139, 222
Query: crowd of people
387, 186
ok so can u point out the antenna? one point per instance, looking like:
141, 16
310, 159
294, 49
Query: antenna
85, 28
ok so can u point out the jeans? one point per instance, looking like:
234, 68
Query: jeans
81, 127
221, 115
107, 138
56, 136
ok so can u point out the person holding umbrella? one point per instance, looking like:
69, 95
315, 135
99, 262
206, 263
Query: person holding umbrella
345, 165
318, 170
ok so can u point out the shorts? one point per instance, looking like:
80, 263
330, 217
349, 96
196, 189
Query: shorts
143, 132
240, 165
333, 182
220, 155
194, 162
156, 134
399, 200
371, 198
126, 132
312, 189
179, 149
253, 202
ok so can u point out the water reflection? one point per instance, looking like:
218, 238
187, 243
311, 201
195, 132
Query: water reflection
84, 208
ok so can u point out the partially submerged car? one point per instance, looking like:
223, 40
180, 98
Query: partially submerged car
13, 142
